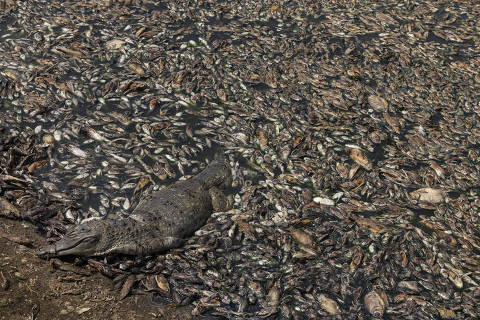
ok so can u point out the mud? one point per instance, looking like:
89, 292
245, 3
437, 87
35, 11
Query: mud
32, 288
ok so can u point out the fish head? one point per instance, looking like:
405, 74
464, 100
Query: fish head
82, 240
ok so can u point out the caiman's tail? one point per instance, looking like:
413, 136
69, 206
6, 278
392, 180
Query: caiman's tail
217, 173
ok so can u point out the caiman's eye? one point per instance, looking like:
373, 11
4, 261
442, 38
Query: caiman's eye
82, 228
78, 230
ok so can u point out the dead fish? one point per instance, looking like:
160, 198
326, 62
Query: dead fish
375, 303
77, 151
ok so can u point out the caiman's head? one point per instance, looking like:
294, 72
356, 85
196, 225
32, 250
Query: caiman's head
83, 240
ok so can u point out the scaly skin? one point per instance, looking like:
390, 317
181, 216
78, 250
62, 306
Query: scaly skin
160, 222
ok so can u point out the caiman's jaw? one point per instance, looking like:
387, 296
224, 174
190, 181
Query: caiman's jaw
81, 240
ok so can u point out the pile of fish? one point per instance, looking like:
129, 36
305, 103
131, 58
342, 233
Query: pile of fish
351, 128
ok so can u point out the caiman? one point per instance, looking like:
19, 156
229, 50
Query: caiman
161, 221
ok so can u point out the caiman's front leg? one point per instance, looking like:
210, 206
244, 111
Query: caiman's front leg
220, 202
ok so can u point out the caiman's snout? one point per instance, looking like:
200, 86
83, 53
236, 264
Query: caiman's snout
47, 251
81, 240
